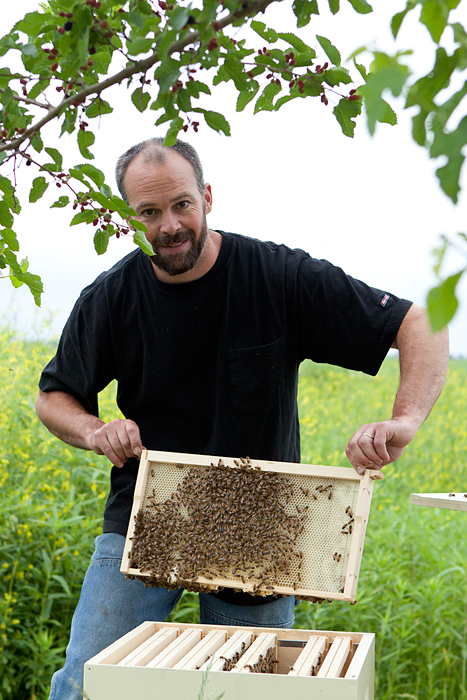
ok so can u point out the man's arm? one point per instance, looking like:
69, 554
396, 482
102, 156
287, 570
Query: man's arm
68, 420
424, 358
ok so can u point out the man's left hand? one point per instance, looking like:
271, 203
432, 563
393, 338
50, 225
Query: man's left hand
376, 444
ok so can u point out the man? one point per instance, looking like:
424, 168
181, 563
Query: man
205, 339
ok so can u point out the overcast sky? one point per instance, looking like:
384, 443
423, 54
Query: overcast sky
372, 206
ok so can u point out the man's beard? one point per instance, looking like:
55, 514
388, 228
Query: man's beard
178, 263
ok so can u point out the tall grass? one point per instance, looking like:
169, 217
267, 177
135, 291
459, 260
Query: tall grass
413, 584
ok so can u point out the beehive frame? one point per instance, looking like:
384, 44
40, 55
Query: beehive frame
108, 675
332, 542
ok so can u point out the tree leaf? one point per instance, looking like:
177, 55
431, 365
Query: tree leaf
334, 6
216, 121
331, 52
38, 188
98, 107
345, 112
6, 217
141, 241
303, 9
389, 115
140, 99
264, 32
61, 202
9, 236
361, 6
449, 144
93, 173
83, 217
101, 241
264, 101
246, 96
85, 139
434, 19
56, 156
6, 185
442, 302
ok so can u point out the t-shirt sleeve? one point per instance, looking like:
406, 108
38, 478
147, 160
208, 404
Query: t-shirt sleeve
343, 321
84, 361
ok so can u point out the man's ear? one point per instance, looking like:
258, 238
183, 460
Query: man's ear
208, 197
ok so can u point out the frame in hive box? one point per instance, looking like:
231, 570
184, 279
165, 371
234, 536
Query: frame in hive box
166, 660
252, 525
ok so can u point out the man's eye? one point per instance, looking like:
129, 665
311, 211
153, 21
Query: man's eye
147, 212
183, 204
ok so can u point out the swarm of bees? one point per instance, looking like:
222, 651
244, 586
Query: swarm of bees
220, 523
232, 662
265, 663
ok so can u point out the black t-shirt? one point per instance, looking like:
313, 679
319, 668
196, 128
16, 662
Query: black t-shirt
210, 366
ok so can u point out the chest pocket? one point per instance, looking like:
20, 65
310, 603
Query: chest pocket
257, 376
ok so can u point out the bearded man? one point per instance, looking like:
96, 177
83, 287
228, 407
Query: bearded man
205, 339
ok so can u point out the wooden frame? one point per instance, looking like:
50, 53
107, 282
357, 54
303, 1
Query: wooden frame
352, 678
451, 501
151, 459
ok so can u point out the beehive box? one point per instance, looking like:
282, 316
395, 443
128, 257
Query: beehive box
160, 660
206, 522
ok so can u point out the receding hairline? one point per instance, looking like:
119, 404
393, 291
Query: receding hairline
153, 150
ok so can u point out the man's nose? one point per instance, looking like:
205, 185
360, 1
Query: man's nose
170, 223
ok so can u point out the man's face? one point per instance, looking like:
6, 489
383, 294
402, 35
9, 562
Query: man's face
167, 200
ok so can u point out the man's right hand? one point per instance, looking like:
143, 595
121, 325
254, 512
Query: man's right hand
67, 418
118, 441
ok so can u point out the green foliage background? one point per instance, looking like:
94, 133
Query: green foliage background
413, 585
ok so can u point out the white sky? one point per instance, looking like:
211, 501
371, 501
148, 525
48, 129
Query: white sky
372, 206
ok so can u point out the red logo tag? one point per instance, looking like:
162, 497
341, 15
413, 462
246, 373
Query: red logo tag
385, 300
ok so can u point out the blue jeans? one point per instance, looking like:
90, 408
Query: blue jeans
111, 605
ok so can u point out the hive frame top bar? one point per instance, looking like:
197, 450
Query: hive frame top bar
363, 484
451, 501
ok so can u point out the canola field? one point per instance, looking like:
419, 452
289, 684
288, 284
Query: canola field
413, 581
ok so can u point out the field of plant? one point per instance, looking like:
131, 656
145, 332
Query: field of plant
413, 583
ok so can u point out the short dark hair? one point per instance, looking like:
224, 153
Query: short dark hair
156, 150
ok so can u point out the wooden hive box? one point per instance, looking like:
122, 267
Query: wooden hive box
267, 527
342, 664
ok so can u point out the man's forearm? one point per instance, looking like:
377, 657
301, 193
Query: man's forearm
66, 418
424, 359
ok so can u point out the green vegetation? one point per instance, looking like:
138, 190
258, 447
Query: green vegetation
413, 586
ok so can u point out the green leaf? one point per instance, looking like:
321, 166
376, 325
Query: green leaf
106, 191
93, 173
386, 73
295, 42
56, 156
12, 261
138, 225
361, 69
139, 44
31, 24
61, 202
303, 9
246, 96
35, 285
264, 101
336, 76
331, 52
175, 127
9, 236
36, 142
38, 188
442, 303
141, 240
217, 121
98, 107
264, 32
6, 185
361, 6
345, 112
439, 253
101, 241
179, 17
334, 6
449, 144
84, 217
85, 139
389, 115
399, 17
434, 19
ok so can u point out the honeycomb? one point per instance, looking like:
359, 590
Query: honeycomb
324, 506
